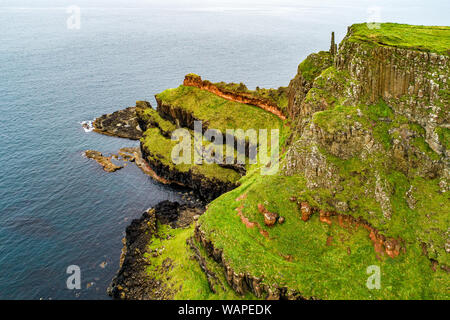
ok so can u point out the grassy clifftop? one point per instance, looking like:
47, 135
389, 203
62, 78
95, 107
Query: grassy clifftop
425, 38
219, 113
160, 148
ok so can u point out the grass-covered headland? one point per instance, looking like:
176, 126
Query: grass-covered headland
363, 182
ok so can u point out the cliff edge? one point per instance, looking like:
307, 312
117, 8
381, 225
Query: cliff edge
364, 180
363, 187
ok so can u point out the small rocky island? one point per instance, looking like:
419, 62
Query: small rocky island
363, 180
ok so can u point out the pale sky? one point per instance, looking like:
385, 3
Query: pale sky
430, 12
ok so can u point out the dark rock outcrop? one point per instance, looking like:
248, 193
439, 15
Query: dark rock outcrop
132, 282
122, 124
206, 188
177, 215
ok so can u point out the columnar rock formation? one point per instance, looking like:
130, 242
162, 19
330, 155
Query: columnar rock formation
122, 123
414, 83
302, 83
333, 46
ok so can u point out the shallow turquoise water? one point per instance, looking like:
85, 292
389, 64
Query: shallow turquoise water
58, 208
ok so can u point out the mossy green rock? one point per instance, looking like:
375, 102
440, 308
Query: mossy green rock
208, 180
307, 72
368, 157
372, 144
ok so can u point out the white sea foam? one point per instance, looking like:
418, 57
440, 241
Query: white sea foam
87, 125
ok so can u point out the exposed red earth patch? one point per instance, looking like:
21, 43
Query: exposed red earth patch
249, 224
382, 244
242, 197
196, 81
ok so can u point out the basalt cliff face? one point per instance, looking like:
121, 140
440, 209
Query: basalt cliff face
363, 179
414, 83
413, 87
370, 149
303, 81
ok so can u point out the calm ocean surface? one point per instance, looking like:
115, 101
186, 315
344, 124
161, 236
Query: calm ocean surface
58, 208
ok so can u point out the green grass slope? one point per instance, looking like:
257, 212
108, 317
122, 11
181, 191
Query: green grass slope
175, 266
314, 258
219, 113
425, 38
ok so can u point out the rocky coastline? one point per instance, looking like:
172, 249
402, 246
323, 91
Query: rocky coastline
206, 188
364, 176
122, 124
132, 281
